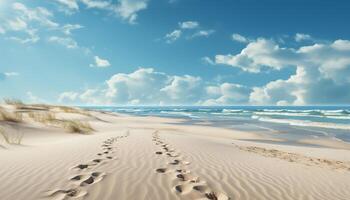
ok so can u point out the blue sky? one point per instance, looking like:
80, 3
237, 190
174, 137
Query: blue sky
161, 52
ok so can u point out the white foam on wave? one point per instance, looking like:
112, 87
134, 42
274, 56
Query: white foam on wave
187, 114
303, 123
232, 110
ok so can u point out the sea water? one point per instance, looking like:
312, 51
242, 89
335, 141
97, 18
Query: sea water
289, 123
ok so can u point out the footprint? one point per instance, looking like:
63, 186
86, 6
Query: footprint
97, 160
188, 177
159, 152
161, 170
77, 178
179, 188
201, 188
82, 166
88, 181
172, 155
175, 162
217, 196
74, 192
94, 178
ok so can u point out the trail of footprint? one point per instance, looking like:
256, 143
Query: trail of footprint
79, 181
187, 184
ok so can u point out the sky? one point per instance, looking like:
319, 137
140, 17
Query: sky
175, 52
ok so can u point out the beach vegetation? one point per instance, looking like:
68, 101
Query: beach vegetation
10, 116
12, 137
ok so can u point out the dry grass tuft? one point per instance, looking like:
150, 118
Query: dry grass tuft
72, 126
43, 117
11, 138
67, 109
77, 127
10, 117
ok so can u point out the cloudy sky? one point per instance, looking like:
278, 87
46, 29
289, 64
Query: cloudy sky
175, 52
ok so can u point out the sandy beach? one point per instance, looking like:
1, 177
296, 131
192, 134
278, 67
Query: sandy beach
116, 156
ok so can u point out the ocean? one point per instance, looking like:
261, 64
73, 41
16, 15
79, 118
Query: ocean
290, 123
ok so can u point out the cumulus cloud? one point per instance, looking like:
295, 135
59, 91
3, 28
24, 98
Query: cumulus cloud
258, 54
189, 25
99, 62
301, 37
146, 86
183, 89
68, 96
227, 94
67, 42
322, 65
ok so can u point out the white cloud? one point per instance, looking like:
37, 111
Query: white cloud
321, 77
182, 89
203, 33
2, 30
22, 24
125, 9
189, 25
301, 37
33, 98
258, 54
227, 94
68, 96
145, 86
5, 75
17, 24
173, 36
128, 9
208, 60
68, 28
239, 38
31, 37
71, 4
99, 62
64, 41
39, 14
189, 29
96, 4
8, 74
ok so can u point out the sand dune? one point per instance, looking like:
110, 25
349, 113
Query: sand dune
154, 158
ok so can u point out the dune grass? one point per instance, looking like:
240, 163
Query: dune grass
43, 117
67, 109
72, 126
77, 126
41, 113
10, 117
11, 138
